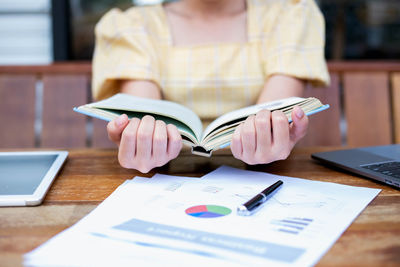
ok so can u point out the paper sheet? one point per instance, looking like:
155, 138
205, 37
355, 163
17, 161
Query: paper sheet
182, 221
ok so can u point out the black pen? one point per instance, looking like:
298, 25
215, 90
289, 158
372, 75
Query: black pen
253, 204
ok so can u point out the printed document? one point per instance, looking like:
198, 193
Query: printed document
183, 221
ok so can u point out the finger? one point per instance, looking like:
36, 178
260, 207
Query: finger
280, 135
145, 138
116, 127
160, 136
127, 148
263, 130
236, 142
174, 145
248, 138
298, 128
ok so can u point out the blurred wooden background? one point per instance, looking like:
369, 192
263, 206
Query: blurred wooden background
36, 106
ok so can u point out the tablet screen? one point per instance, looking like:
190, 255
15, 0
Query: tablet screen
22, 174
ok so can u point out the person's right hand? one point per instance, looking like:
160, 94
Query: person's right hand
144, 144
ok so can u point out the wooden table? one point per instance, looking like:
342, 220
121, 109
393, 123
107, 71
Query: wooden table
89, 176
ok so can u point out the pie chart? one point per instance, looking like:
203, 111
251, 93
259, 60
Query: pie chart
208, 211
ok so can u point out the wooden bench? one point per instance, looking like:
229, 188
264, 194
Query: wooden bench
365, 105
36, 106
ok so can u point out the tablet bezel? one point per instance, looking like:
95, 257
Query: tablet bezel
37, 197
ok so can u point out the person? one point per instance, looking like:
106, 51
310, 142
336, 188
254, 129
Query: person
213, 56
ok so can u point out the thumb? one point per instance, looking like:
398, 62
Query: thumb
298, 128
116, 127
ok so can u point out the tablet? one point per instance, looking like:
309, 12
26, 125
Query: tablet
25, 177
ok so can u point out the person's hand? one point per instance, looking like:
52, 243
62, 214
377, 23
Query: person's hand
144, 144
268, 136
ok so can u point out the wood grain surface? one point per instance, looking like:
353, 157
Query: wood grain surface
17, 110
62, 127
396, 105
90, 175
99, 135
367, 108
75, 67
324, 127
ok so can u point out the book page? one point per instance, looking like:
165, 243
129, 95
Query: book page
221, 136
247, 111
185, 131
152, 106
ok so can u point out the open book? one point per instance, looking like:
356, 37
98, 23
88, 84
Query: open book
217, 135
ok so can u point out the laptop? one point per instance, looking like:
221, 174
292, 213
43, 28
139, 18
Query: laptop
381, 163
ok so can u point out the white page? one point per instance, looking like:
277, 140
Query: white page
153, 202
146, 105
245, 112
78, 246
70, 247
341, 203
324, 209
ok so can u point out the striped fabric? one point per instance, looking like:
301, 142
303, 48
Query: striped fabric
284, 37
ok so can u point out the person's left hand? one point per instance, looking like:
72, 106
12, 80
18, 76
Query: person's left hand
268, 136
